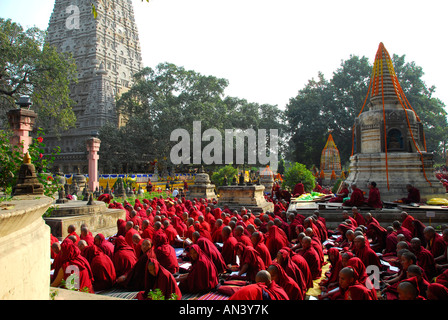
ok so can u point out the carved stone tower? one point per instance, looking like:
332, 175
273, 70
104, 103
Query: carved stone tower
107, 52
388, 139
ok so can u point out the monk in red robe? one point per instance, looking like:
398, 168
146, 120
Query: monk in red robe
356, 198
365, 253
264, 289
228, 248
339, 197
157, 277
71, 230
250, 261
436, 291
275, 239
292, 270
353, 289
124, 256
311, 256
413, 195
165, 252
202, 276
217, 233
104, 245
280, 277
298, 190
73, 261
211, 251
332, 280
86, 235
434, 242
257, 239
103, 269
374, 199
134, 279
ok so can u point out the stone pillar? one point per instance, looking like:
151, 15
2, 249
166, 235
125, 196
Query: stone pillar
93, 146
21, 122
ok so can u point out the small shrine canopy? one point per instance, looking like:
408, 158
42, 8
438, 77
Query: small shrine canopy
330, 159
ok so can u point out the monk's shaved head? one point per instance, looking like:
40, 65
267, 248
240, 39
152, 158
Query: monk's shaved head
263, 276
407, 291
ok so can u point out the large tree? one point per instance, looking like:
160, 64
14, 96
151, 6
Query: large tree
334, 104
29, 66
170, 97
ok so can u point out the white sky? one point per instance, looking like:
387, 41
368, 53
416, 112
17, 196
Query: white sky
268, 50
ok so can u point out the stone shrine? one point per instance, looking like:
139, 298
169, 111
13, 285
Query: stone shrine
201, 188
388, 140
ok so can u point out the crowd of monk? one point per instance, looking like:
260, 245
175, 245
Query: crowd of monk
276, 255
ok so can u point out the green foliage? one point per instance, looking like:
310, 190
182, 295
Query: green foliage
30, 66
157, 294
298, 172
336, 185
228, 171
11, 158
170, 97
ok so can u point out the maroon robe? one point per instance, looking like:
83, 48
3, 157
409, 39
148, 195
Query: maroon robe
313, 260
213, 253
202, 276
163, 280
374, 199
275, 240
124, 256
71, 257
228, 250
288, 284
103, 269
251, 257
165, 252
356, 199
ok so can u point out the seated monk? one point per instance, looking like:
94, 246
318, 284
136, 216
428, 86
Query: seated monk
343, 193
71, 257
353, 289
165, 253
211, 251
276, 239
202, 275
258, 243
134, 278
356, 198
413, 195
374, 199
104, 245
298, 190
436, 291
311, 257
124, 256
292, 269
365, 253
103, 269
408, 290
264, 288
288, 284
157, 277
250, 261
228, 247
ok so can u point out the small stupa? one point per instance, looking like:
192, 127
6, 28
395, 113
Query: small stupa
27, 181
330, 161
388, 139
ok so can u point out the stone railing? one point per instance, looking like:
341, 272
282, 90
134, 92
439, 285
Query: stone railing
24, 249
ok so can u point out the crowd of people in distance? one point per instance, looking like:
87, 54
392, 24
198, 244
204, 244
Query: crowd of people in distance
182, 246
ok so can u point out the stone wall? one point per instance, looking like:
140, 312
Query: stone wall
24, 249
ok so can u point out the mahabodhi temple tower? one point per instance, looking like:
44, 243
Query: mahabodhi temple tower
388, 139
107, 52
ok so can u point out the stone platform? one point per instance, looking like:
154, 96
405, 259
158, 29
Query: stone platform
97, 217
403, 168
248, 196
429, 215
